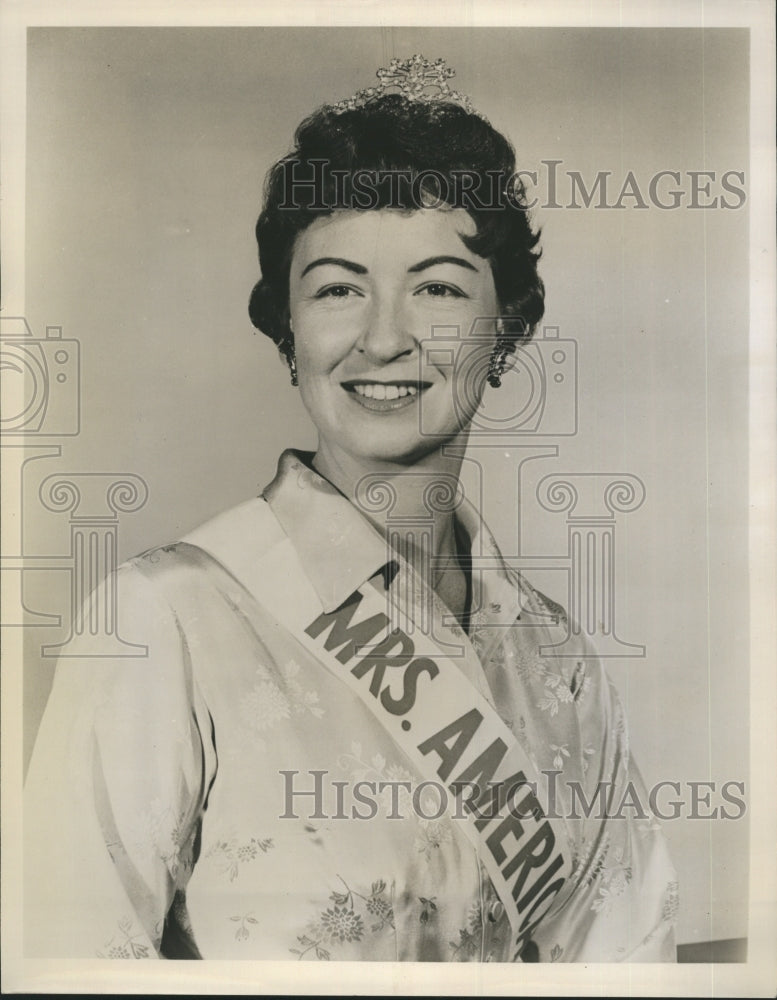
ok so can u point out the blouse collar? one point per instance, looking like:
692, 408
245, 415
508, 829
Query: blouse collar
338, 547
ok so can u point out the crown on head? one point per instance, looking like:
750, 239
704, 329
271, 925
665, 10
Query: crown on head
416, 79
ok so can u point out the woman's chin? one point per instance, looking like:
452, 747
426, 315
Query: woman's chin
396, 451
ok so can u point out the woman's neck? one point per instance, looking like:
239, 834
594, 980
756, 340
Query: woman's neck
417, 499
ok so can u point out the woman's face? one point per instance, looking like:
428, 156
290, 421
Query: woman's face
366, 289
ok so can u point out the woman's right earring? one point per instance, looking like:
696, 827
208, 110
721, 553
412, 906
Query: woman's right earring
292, 359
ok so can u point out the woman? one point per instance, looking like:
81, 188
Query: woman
348, 740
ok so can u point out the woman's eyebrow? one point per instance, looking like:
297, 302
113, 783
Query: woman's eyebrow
349, 265
444, 259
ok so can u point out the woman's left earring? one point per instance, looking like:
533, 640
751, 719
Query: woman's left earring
496, 366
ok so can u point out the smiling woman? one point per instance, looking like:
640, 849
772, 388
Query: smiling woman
353, 634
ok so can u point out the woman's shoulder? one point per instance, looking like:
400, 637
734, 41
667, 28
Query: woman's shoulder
156, 597
249, 528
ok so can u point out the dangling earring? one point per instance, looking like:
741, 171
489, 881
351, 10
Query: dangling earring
292, 360
291, 356
496, 364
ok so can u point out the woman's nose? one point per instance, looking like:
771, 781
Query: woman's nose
387, 334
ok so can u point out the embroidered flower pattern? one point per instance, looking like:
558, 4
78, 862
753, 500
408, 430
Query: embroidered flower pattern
244, 919
379, 907
307, 944
160, 830
614, 875
588, 752
671, 902
498, 657
562, 751
229, 855
340, 922
125, 944
428, 910
543, 605
400, 799
264, 706
346, 921
301, 701
378, 769
479, 636
556, 693
472, 937
432, 834
269, 703
467, 946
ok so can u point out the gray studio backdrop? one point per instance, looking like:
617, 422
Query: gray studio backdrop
146, 152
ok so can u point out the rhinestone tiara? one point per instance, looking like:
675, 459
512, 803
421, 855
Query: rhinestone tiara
416, 79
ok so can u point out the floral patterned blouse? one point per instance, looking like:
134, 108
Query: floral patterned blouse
227, 797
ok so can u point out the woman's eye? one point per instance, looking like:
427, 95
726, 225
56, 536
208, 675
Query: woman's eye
438, 289
336, 292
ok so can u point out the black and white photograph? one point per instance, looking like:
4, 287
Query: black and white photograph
388, 460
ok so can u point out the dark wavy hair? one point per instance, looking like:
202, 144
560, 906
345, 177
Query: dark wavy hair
398, 153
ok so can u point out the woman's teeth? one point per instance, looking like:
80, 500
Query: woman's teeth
372, 391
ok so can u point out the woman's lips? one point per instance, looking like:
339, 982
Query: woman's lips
385, 396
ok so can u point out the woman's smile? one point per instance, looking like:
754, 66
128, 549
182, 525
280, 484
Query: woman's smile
385, 397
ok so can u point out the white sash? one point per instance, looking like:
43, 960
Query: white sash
446, 728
